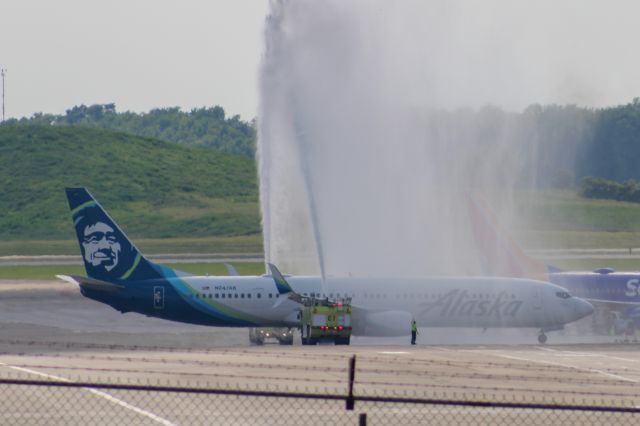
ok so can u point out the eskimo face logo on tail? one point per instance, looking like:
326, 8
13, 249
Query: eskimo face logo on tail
106, 252
100, 246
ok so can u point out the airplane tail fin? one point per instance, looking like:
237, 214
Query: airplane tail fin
500, 254
107, 253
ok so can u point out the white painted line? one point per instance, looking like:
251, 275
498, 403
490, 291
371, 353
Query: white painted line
619, 358
546, 349
594, 354
393, 353
574, 367
97, 393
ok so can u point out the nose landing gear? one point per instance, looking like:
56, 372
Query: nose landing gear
542, 338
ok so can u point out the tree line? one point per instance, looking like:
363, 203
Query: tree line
551, 146
557, 145
592, 187
206, 127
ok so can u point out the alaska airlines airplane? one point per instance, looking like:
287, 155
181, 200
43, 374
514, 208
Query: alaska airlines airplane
501, 255
120, 276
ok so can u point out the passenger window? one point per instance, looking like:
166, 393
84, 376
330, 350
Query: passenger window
217, 295
248, 295
236, 295
270, 296
241, 295
259, 295
223, 295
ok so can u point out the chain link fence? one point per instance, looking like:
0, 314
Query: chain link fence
54, 402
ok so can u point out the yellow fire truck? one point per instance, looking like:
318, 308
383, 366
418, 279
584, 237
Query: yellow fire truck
324, 320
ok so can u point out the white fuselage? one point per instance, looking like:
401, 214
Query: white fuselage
384, 307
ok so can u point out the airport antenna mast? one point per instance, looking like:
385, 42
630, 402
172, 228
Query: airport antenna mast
3, 72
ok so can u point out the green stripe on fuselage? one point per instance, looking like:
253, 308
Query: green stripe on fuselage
189, 294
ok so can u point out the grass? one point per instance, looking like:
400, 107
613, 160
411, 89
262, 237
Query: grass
591, 264
234, 244
566, 211
154, 189
577, 239
49, 272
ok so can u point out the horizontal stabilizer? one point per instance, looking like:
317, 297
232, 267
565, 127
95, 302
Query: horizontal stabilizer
231, 270
91, 284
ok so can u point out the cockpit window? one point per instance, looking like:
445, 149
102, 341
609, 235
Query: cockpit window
563, 295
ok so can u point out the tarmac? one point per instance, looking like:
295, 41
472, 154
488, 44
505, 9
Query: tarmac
49, 332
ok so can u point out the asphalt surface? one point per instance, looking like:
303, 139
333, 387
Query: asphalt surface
49, 332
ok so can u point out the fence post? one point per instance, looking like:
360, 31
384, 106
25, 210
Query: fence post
363, 419
352, 374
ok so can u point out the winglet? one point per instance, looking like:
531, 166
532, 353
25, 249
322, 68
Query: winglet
282, 284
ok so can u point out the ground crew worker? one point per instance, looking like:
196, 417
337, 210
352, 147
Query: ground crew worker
414, 331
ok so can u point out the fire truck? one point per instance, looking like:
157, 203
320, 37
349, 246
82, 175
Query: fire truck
322, 320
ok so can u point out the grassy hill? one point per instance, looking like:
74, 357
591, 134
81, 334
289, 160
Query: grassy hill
152, 188
563, 219
173, 198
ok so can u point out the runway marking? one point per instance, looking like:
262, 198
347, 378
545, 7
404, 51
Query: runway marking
97, 393
393, 353
619, 358
574, 367
594, 354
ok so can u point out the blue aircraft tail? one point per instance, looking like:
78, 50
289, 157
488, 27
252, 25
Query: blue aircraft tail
107, 252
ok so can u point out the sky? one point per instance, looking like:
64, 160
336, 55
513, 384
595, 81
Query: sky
138, 54
144, 54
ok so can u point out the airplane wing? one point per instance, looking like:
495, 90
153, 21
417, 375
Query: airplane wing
91, 284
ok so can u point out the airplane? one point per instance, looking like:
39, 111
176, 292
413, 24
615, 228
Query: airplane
119, 275
617, 292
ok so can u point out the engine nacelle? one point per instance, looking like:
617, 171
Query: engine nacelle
381, 324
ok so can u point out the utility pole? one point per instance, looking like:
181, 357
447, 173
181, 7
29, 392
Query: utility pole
3, 72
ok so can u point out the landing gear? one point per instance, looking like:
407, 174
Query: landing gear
342, 340
542, 338
309, 341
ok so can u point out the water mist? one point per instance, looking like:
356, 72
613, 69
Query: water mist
375, 125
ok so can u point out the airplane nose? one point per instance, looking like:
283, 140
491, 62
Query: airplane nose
582, 308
